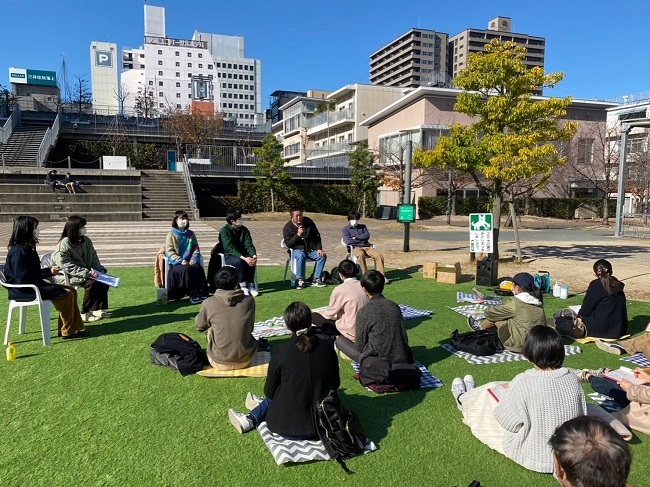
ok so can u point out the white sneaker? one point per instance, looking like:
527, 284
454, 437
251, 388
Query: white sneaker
613, 348
246, 291
457, 389
469, 382
253, 292
252, 401
240, 421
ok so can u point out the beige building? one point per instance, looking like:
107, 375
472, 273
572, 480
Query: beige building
474, 40
424, 114
416, 58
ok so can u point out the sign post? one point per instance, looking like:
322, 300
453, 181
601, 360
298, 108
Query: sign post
481, 234
406, 215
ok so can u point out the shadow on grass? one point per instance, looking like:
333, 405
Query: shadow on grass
377, 412
637, 324
429, 356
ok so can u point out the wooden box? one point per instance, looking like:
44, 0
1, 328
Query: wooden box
429, 270
449, 274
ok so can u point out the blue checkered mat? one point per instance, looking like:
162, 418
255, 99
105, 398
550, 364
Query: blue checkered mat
473, 298
476, 311
409, 313
501, 357
427, 380
638, 359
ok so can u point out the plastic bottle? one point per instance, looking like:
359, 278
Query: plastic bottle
556, 289
11, 352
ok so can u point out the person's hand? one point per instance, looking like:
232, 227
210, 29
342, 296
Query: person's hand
55, 269
624, 384
93, 273
354, 238
192, 262
320, 252
254, 260
505, 385
642, 375
184, 262
301, 230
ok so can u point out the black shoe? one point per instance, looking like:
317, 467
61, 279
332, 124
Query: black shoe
79, 334
319, 282
301, 284
473, 323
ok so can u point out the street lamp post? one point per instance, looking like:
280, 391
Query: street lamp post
407, 191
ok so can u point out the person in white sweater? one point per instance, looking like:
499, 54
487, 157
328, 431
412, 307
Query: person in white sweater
518, 418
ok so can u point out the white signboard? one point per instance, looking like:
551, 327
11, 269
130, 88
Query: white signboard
114, 162
480, 233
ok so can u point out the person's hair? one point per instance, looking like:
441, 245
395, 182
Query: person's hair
543, 347
53, 171
347, 268
297, 316
591, 453
23, 231
603, 270
354, 215
71, 229
226, 278
233, 216
295, 208
373, 281
180, 214
68, 174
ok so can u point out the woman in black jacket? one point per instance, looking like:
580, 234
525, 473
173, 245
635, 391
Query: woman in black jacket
301, 372
24, 267
604, 312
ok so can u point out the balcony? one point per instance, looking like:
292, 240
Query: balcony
323, 120
329, 150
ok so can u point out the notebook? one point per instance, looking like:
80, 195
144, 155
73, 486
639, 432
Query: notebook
622, 373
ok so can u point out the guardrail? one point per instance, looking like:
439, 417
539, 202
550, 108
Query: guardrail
11, 123
190, 189
49, 141
242, 167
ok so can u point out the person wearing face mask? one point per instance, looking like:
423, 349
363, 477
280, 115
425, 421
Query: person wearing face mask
76, 254
356, 235
23, 266
185, 276
236, 244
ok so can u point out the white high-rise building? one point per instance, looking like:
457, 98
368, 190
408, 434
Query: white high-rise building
208, 72
103, 75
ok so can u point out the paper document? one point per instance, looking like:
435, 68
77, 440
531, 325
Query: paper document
623, 373
575, 308
106, 279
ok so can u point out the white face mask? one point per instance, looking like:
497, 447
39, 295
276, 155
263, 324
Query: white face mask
239, 223
37, 233
353, 223
82, 232
182, 223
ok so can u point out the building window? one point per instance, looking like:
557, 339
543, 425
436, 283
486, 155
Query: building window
159, 63
229, 95
178, 53
209, 66
229, 66
178, 75
189, 65
150, 83
200, 55
159, 51
161, 105
245, 76
160, 73
178, 65
200, 65
160, 83
161, 94
178, 105
141, 56
585, 151
189, 75
142, 66
189, 54
178, 85
229, 85
178, 95
241, 67
241, 97
229, 75
241, 76
252, 97
246, 67
189, 85
218, 65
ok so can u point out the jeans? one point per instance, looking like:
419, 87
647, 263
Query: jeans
246, 273
609, 388
258, 414
300, 256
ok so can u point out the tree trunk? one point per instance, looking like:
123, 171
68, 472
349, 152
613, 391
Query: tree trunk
515, 228
272, 201
497, 198
527, 204
453, 203
606, 208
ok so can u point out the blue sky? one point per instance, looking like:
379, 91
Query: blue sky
600, 45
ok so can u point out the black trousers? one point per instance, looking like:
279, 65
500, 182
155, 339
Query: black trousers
246, 273
95, 296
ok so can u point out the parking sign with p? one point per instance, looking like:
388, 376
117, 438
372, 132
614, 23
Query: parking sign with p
104, 58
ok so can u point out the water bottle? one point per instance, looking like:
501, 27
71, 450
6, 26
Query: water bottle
556, 290
564, 292
11, 352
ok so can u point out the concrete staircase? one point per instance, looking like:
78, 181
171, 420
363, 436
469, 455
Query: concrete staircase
163, 192
22, 147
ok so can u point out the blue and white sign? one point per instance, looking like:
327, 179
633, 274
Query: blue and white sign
104, 59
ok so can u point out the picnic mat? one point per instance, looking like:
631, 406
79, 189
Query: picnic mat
593, 339
427, 381
473, 298
476, 311
638, 359
275, 326
258, 368
605, 402
501, 357
298, 451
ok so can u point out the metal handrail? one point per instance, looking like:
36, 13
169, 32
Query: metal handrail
10, 124
190, 189
49, 140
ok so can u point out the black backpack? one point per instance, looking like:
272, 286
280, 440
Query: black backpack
480, 343
339, 429
376, 370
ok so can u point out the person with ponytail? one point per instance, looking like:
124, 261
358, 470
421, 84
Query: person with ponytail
301, 372
515, 318
604, 312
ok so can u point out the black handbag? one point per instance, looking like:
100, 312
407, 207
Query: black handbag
480, 343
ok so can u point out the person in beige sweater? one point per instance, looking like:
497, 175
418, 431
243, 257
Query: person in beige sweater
229, 317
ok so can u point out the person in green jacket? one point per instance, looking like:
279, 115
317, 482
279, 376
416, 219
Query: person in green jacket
515, 318
236, 244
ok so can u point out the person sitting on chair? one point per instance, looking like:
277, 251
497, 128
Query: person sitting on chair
236, 244
346, 300
229, 317
356, 235
301, 235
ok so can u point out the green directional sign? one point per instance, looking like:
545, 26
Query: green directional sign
480, 232
406, 213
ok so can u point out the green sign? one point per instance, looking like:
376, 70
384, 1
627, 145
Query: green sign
480, 233
406, 213
47, 78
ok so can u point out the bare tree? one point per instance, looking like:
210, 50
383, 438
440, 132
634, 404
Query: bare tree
145, 102
187, 127
81, 96
638, 171
121, 94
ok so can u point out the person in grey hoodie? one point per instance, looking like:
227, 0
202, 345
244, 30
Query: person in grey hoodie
229, 317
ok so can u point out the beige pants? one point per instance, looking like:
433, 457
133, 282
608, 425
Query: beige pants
70, 321
362, 252
638, 344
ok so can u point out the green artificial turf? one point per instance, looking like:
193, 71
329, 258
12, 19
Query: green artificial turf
96, 412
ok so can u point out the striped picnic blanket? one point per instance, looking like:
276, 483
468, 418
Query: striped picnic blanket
501, 357
427, 380
465, 297
476, 311
638, 359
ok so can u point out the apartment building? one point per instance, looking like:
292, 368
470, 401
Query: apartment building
416, 58
474, 40
208, 70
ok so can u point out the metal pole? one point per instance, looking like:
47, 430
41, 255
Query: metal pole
407, 191
620, 199
69, 163
449, 199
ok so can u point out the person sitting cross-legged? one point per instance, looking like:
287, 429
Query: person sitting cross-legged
236, 244
301, 235
229, 317
357, 236
346, 300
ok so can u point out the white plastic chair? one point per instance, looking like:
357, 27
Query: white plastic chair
44, 308
223, 263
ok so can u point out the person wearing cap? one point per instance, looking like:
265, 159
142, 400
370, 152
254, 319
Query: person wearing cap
515, 318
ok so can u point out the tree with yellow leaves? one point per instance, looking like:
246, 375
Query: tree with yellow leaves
512, 137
